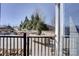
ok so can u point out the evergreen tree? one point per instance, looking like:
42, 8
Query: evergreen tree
35, 23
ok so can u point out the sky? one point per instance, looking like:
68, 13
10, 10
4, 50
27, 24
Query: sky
71, 10
0, 11
12, 13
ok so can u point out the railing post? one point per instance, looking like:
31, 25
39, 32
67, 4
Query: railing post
27, 46
24, 44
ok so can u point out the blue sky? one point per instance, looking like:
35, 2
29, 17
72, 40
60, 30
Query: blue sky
0, 11
73, 11
13, 14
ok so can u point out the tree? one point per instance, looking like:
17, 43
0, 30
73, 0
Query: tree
23, 24
20, 26
35, 23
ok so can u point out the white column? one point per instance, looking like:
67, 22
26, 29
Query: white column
59, 28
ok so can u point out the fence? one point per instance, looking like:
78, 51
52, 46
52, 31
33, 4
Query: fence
66, 46
17, 45
11, 45
41, 45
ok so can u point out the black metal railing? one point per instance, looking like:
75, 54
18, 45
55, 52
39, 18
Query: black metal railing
17, 45
41, 45
11, 45
66, 45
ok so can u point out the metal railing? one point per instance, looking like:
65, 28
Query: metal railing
17, 45
66, 45
41, 45
11, 45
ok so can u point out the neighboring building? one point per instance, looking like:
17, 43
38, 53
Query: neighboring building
7, 30
50, 27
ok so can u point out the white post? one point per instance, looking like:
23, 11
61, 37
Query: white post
59, 29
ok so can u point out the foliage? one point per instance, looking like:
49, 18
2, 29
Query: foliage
35, 23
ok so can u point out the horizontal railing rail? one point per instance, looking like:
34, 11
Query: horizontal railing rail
20, 36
